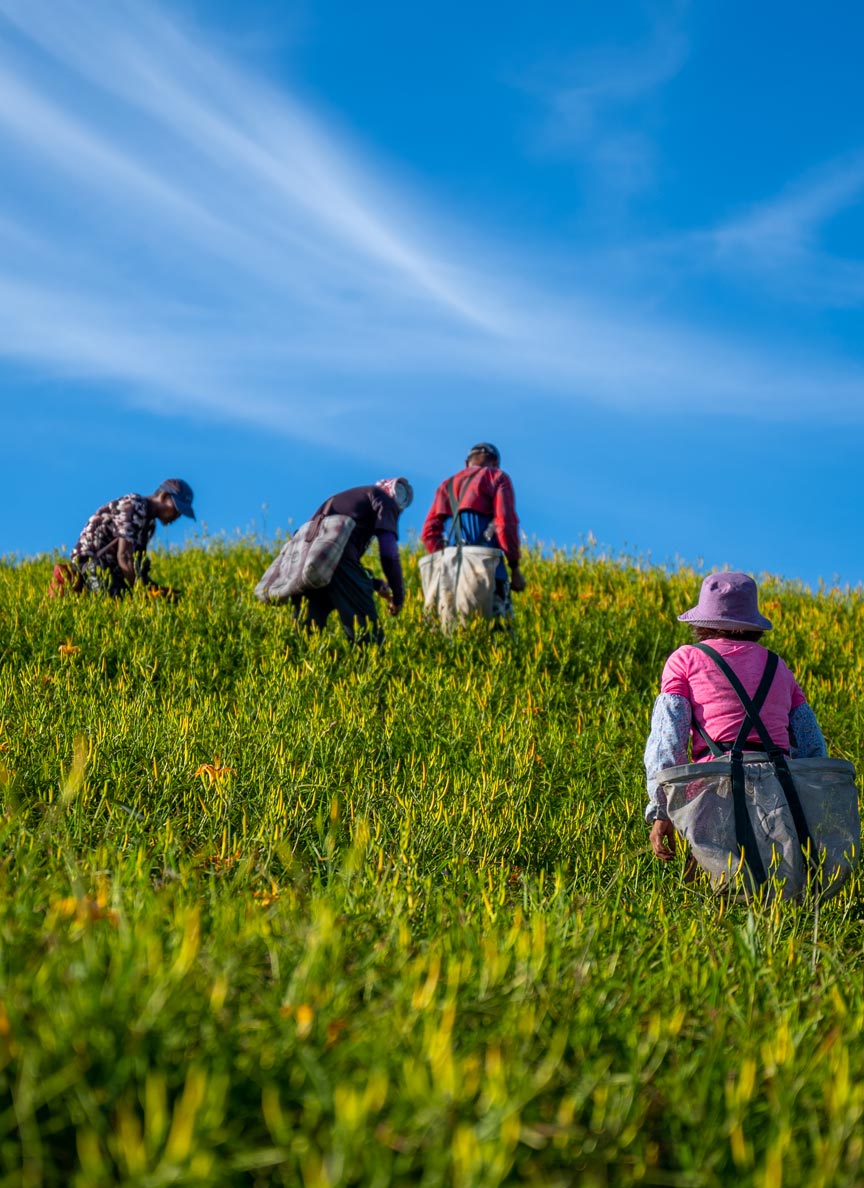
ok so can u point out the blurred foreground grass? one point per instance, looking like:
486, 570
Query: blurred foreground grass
275, 912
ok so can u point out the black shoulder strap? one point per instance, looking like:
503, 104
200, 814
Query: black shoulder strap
753, 721
751, 706
456, 510
716, 750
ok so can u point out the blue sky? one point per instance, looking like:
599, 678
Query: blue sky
282, 248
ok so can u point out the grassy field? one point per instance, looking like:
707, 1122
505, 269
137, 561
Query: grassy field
276, 912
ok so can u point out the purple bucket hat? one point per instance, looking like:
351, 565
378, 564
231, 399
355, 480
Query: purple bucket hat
728, 600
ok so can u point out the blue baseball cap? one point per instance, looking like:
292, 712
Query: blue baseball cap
181, 495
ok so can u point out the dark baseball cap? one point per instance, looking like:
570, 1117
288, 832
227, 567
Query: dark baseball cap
485, 447
181, 495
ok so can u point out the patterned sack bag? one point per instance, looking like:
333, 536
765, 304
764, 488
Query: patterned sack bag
326, 549
281, 578
308, 560
759, 822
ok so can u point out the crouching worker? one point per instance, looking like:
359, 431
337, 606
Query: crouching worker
319, 569
469, 531
759, 798
111, 552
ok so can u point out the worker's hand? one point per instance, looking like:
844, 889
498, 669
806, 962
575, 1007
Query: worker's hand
382, 589
663, 840
517, 581
392, 608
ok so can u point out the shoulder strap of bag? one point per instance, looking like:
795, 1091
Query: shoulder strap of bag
455, 513
314, 526
457, 506
751, 706
744, 834
104, 551
752, 720
455, 533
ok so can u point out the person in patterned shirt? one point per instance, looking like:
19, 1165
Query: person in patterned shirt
110, 554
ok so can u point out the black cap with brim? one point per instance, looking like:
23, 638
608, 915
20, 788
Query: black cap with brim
485, 447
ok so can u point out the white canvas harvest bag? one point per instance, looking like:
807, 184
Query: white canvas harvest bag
459, 580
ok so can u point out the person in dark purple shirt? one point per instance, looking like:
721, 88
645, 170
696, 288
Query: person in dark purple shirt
375, 511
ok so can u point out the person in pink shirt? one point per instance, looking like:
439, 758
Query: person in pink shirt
697, 701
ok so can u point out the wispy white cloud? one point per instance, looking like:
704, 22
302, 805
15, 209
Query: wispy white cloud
782, 239
201, 239
775, 250
592, 87
211, 146
596, 105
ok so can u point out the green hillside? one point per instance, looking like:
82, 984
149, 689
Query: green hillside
277, 912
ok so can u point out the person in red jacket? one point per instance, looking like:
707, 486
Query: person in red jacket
487, 515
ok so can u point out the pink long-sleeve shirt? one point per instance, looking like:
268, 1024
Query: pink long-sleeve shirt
716, 708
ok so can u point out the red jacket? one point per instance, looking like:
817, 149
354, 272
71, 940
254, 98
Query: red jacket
483, 489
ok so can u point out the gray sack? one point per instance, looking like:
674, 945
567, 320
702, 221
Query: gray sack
308, 560
700, 805
758, 821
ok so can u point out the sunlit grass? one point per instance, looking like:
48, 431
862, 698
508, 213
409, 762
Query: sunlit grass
277, 911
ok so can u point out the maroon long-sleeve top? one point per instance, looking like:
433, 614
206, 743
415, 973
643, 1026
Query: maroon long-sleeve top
482, 489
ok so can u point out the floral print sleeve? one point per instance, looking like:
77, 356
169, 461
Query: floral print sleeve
666, 747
